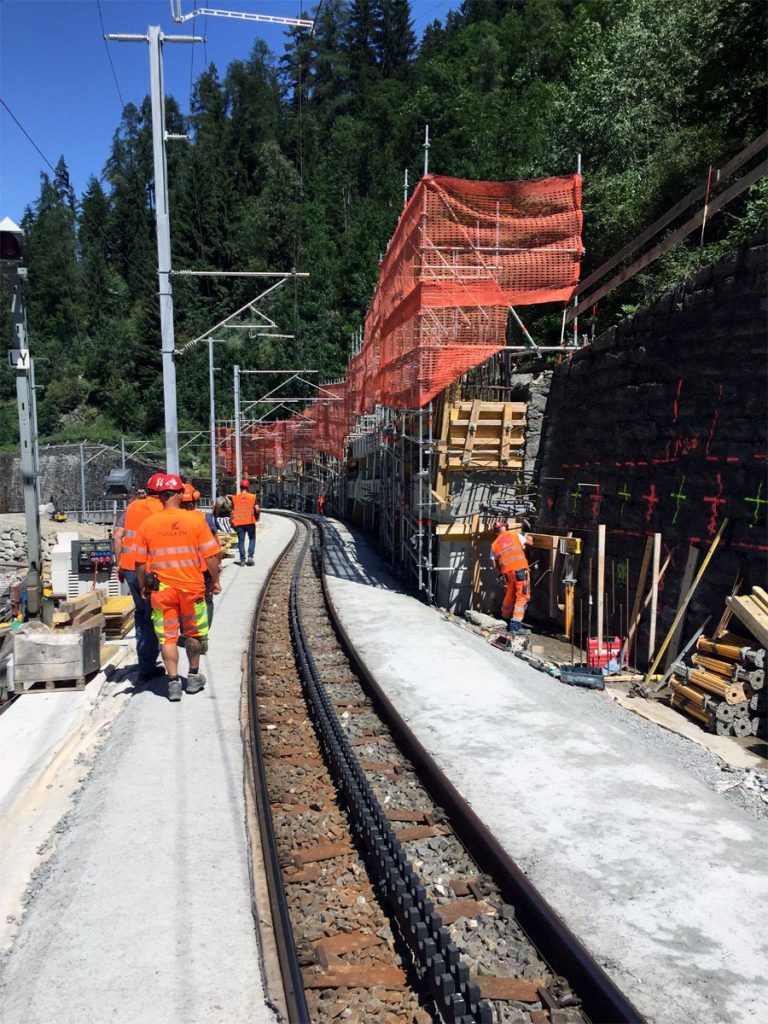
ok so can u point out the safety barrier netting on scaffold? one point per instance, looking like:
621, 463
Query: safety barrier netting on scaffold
462, 254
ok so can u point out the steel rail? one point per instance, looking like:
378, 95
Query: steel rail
293, 985
602, 1000
443, 970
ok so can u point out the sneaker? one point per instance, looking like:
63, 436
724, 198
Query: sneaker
195, 682
174, 689
520, 631
249, 562
239, 563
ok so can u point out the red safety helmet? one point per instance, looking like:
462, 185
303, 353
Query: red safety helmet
153, 484
499, 526
168, 482
245, 483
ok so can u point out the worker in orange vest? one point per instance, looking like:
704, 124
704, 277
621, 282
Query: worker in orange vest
321, 504
244, 515
189, 499
171, 546
508, 558
123, 547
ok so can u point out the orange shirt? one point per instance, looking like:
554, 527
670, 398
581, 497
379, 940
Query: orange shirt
214, 534
174, 544
508, 553
138, 510
243, 509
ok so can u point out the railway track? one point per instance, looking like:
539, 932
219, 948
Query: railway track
390, 901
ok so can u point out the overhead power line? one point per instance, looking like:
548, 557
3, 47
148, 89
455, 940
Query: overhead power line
109, 56
28, 136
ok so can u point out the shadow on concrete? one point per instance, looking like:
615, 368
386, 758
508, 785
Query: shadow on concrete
349, 557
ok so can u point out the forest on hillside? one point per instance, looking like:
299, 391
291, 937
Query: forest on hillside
296, 160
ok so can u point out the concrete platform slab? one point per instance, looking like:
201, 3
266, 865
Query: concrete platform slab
143, 912
617, 822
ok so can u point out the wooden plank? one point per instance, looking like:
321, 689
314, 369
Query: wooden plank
666, 218
324, 851
682, 232
354, 976
600, 588
749, 613
551, 542
634, 618
450, 912
419, 832
475, 541
345, 942
524, 990
690, 568
469, 444
654, 594
395, 815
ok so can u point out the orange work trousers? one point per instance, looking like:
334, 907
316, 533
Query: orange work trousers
517, 595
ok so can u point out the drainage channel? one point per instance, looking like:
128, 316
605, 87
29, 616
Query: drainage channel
389, 905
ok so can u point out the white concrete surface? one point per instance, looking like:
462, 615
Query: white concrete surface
664, 880
143, 912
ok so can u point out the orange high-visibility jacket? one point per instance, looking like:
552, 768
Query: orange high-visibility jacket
174, 544
137, 511
508, 552
243, 509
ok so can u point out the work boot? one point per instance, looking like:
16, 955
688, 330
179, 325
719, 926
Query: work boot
518, 630
249, 562
195, 682
174, 689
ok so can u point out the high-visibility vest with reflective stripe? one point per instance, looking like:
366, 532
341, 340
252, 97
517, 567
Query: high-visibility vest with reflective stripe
137, 511
174, 544
243, 509
509, 553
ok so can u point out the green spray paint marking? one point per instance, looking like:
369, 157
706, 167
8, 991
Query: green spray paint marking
678, 498
757, 501
575, 495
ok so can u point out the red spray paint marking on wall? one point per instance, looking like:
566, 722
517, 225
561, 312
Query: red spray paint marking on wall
652, 500
715, 501
677, 399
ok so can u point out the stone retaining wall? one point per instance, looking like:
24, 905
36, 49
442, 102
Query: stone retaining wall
660, 425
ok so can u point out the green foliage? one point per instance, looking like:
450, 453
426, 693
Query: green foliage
298, 161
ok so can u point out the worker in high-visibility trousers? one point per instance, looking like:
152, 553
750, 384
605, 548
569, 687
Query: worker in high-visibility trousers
244, 516
123, 547
508, 558
171, 546
189, 499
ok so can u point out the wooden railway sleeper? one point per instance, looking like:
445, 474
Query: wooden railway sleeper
457, 998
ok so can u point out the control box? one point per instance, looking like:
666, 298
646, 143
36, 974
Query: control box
88, 555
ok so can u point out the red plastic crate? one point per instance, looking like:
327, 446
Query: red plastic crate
610, 650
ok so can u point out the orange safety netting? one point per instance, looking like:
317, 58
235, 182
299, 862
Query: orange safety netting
463, 252
332, 418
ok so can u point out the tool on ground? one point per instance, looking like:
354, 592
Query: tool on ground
686, 601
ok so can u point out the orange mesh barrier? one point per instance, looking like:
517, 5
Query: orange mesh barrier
463, 252
333, 419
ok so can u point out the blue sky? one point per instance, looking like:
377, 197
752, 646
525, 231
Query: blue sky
55, 75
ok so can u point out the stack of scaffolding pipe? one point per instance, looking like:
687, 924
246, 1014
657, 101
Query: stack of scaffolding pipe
724, 686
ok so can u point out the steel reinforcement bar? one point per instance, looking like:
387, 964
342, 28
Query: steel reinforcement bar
602, 1001
446, 975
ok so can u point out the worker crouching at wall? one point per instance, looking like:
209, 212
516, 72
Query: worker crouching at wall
508, 557
171, 547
